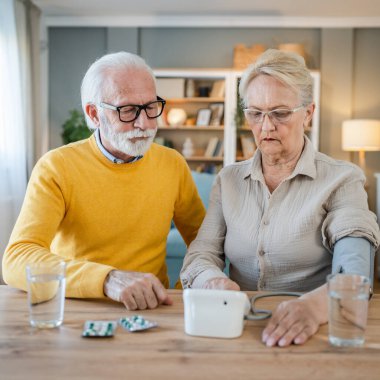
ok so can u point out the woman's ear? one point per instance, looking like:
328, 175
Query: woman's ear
92, 113
309, 114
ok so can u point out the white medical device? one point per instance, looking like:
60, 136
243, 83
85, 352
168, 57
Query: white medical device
215, 313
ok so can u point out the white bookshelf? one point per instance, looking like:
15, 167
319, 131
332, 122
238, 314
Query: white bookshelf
228, 130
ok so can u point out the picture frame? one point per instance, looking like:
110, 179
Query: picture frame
203, 117
217, 110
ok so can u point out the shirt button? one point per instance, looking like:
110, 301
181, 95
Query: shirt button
261, 253
266, 222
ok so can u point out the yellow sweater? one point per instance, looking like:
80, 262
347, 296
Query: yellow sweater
100, 216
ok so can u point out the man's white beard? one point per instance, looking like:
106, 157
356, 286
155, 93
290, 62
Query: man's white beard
121, 141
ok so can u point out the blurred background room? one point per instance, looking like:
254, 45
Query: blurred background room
198, 50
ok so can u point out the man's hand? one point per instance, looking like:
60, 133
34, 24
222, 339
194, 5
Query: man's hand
221, 283
297, 320
136, 290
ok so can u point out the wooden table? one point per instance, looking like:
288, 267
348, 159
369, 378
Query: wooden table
167, 352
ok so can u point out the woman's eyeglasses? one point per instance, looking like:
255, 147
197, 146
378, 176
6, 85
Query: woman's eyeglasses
277, 116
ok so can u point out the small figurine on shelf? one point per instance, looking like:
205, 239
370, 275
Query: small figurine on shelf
190, 88
188, 148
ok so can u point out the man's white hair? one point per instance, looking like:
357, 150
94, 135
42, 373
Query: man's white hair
95, 83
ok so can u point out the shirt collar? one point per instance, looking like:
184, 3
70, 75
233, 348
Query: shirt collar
305, 165
108, 155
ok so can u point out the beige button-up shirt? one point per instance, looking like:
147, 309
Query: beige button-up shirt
282, 240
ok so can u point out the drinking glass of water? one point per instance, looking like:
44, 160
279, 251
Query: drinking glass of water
46, 293
348, 308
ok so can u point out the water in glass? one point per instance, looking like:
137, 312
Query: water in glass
347, 317
46, 299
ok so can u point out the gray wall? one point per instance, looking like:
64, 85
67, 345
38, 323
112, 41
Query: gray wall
347, 58
71, 50
213, 47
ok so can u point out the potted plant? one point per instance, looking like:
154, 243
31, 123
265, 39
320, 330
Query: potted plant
75, 128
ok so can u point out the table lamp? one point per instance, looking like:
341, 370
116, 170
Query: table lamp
361, 135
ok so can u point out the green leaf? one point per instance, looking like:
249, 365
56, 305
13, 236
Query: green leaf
75, 128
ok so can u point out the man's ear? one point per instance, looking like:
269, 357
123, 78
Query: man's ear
92, 113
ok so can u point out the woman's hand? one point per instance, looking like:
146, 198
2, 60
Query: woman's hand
295, 321
221, 283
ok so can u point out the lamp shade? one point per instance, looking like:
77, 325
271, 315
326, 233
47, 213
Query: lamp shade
361, 135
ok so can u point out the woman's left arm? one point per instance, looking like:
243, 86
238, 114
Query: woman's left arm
348, 214
348, 217
354, 255
297, 320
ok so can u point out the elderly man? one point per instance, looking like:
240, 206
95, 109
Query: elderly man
105, 204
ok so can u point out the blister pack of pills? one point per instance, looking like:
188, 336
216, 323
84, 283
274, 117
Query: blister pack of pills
136, 323
100, 329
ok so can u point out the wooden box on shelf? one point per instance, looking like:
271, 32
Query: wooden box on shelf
244, 56
171, 87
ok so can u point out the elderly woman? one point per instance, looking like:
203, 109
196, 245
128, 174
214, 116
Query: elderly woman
287, 217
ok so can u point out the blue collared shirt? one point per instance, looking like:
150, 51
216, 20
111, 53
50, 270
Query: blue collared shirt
108, 155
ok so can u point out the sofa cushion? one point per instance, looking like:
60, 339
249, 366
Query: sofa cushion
175, 246
204, 182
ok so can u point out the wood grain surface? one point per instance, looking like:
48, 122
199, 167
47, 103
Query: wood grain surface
167, 352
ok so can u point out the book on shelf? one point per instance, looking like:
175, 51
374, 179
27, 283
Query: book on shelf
218, 89
248, 146
219, 150
211, 147
217, 110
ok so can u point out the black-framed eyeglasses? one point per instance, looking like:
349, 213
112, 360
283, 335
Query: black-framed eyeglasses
131, 112
277, 116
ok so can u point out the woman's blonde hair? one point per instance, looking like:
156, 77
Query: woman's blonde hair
287, 67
